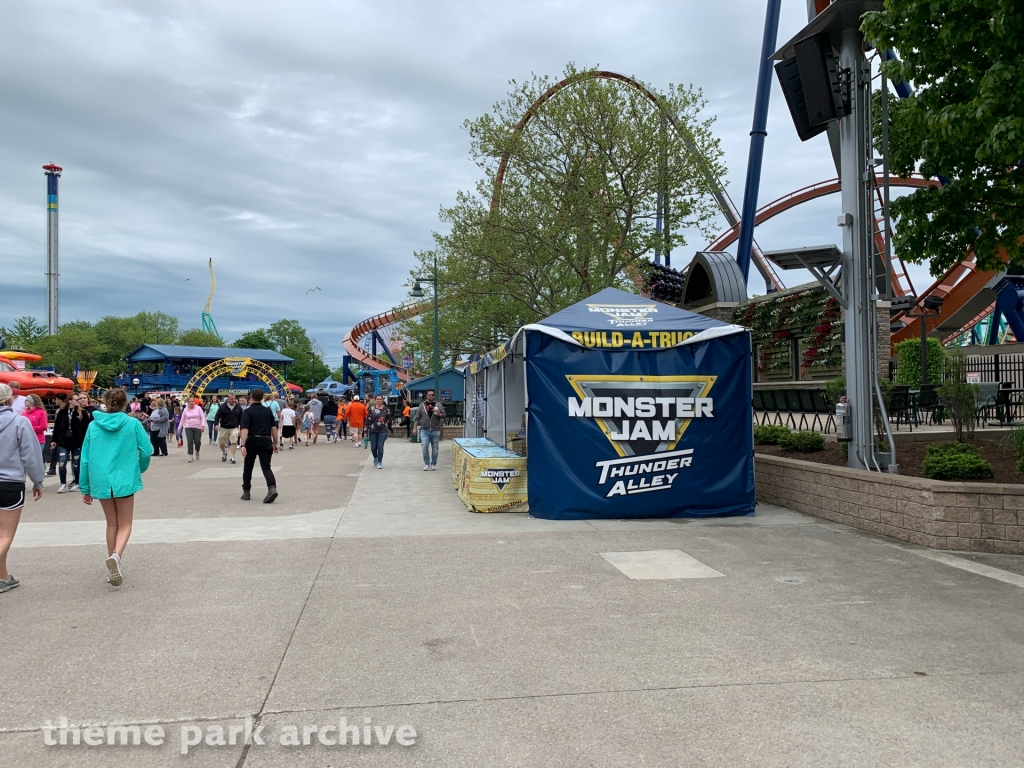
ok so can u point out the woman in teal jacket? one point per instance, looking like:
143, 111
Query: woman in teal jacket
115, 453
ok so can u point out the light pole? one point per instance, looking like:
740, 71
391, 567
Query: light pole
417, 293
312, 369
135, 381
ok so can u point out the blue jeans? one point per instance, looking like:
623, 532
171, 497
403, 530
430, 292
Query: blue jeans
430, 442
377, 446
329, 424
63, 454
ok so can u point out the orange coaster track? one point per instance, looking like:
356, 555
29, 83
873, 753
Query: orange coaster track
371, 324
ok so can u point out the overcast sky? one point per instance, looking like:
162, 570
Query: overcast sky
310, 144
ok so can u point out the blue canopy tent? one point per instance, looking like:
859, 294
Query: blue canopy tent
631, 408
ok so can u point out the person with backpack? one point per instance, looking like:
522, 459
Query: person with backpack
115, 453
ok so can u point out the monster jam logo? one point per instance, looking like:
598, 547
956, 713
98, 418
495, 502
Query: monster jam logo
500, 477
236, 366
625, 315
643, 418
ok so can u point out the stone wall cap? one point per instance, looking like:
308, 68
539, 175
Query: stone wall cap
907, 481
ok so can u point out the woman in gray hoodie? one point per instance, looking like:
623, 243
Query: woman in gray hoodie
19, 455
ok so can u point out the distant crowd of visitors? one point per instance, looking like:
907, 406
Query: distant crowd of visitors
108, 445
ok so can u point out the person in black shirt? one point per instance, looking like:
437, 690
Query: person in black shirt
228, 420
259, 440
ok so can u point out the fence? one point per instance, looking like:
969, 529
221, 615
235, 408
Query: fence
990, 368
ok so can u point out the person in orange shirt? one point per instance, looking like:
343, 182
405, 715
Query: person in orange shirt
356, 420
343, 418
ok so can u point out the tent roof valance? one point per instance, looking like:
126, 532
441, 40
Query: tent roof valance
618, 315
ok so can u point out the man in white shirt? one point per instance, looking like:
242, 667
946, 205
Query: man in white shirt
18, 403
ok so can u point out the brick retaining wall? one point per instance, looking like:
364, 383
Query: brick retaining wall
976, 517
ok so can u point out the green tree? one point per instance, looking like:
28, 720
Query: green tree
288, 334
257, 339
964, 121
576, 210
197, 337
24, 334
77, 342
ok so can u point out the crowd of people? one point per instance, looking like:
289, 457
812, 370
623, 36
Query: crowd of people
109, 445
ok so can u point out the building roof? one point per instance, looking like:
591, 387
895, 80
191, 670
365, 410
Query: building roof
150, 352
430, 379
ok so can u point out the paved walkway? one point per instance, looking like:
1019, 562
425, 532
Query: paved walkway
774, 640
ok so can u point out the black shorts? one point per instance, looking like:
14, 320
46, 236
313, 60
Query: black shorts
288, 430
12, 496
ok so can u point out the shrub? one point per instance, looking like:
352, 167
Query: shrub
1015, 442
1020, 466
959, 399
908, 362
834, 389
802, 442
769, 434
950, 449
955, 461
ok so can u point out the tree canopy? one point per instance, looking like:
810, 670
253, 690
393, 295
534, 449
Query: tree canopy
964, 121
103, 345
577, 207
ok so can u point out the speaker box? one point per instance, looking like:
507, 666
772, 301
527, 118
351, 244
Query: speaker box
820, 79
789, 78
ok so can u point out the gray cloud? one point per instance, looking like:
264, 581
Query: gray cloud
312, 143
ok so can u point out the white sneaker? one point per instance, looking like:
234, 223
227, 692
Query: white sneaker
72, 486
189, 459
63, 488
114, 569
433, 466
426, 467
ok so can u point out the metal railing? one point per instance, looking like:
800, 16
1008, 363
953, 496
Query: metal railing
990, 368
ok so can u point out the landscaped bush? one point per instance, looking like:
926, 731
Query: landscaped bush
769, 434
955, 461
802, 442
908, 362
1020, 466
1015, 441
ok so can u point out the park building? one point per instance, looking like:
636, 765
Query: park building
169, 367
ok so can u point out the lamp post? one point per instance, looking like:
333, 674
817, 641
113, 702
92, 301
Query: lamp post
135, 381
312, 369
417, 293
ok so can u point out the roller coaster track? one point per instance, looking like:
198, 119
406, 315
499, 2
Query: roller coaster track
371, 324
714, 184
900, 282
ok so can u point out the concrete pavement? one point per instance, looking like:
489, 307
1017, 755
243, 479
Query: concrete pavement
501, 639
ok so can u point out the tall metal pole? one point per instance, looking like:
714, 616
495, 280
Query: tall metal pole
52, 173
437, 342
857, 287
757, 136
